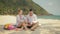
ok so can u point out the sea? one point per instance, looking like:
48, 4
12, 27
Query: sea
50, 17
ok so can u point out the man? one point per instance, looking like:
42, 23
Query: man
32, 20
20, 20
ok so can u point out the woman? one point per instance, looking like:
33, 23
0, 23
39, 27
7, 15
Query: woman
21, 23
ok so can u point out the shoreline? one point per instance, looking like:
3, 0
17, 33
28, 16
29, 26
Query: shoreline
12, 19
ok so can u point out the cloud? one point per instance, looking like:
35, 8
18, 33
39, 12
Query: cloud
50, 3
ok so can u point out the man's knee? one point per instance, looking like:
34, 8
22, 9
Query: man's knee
36, 24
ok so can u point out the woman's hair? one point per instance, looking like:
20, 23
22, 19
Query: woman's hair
19, 10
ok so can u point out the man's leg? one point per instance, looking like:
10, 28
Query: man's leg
34, 26
29, 26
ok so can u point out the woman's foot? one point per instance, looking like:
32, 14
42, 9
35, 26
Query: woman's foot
25, 28
19, 29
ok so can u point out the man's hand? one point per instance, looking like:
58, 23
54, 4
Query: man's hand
29, 24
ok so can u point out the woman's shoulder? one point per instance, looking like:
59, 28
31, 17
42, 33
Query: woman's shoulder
17, 15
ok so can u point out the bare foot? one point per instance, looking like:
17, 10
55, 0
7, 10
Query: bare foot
19, 29
32, 29
26, 29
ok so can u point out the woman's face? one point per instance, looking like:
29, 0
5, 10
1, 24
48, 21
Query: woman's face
21, 12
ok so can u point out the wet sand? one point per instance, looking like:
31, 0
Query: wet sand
48, 26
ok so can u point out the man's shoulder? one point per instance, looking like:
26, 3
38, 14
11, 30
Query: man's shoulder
34, 15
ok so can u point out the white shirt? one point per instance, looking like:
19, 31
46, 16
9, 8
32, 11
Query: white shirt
20, 19
32, 19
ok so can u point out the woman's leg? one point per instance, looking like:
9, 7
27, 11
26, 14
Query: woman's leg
19, 27
25, 26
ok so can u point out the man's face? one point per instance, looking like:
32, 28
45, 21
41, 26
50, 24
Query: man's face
20, 13
31, 13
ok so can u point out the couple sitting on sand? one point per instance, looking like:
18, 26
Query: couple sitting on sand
26, 22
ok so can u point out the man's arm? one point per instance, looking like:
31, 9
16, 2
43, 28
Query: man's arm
35, 19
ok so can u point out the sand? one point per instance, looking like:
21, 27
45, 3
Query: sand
47, 26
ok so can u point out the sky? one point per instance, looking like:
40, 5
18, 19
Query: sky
52, 6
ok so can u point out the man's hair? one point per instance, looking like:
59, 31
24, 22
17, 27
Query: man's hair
30, 10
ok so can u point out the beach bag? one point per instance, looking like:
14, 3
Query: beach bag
9, 27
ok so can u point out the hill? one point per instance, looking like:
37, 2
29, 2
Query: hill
10, 7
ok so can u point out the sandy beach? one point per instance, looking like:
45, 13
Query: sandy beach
47, 26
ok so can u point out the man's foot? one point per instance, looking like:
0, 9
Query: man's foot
32, 29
